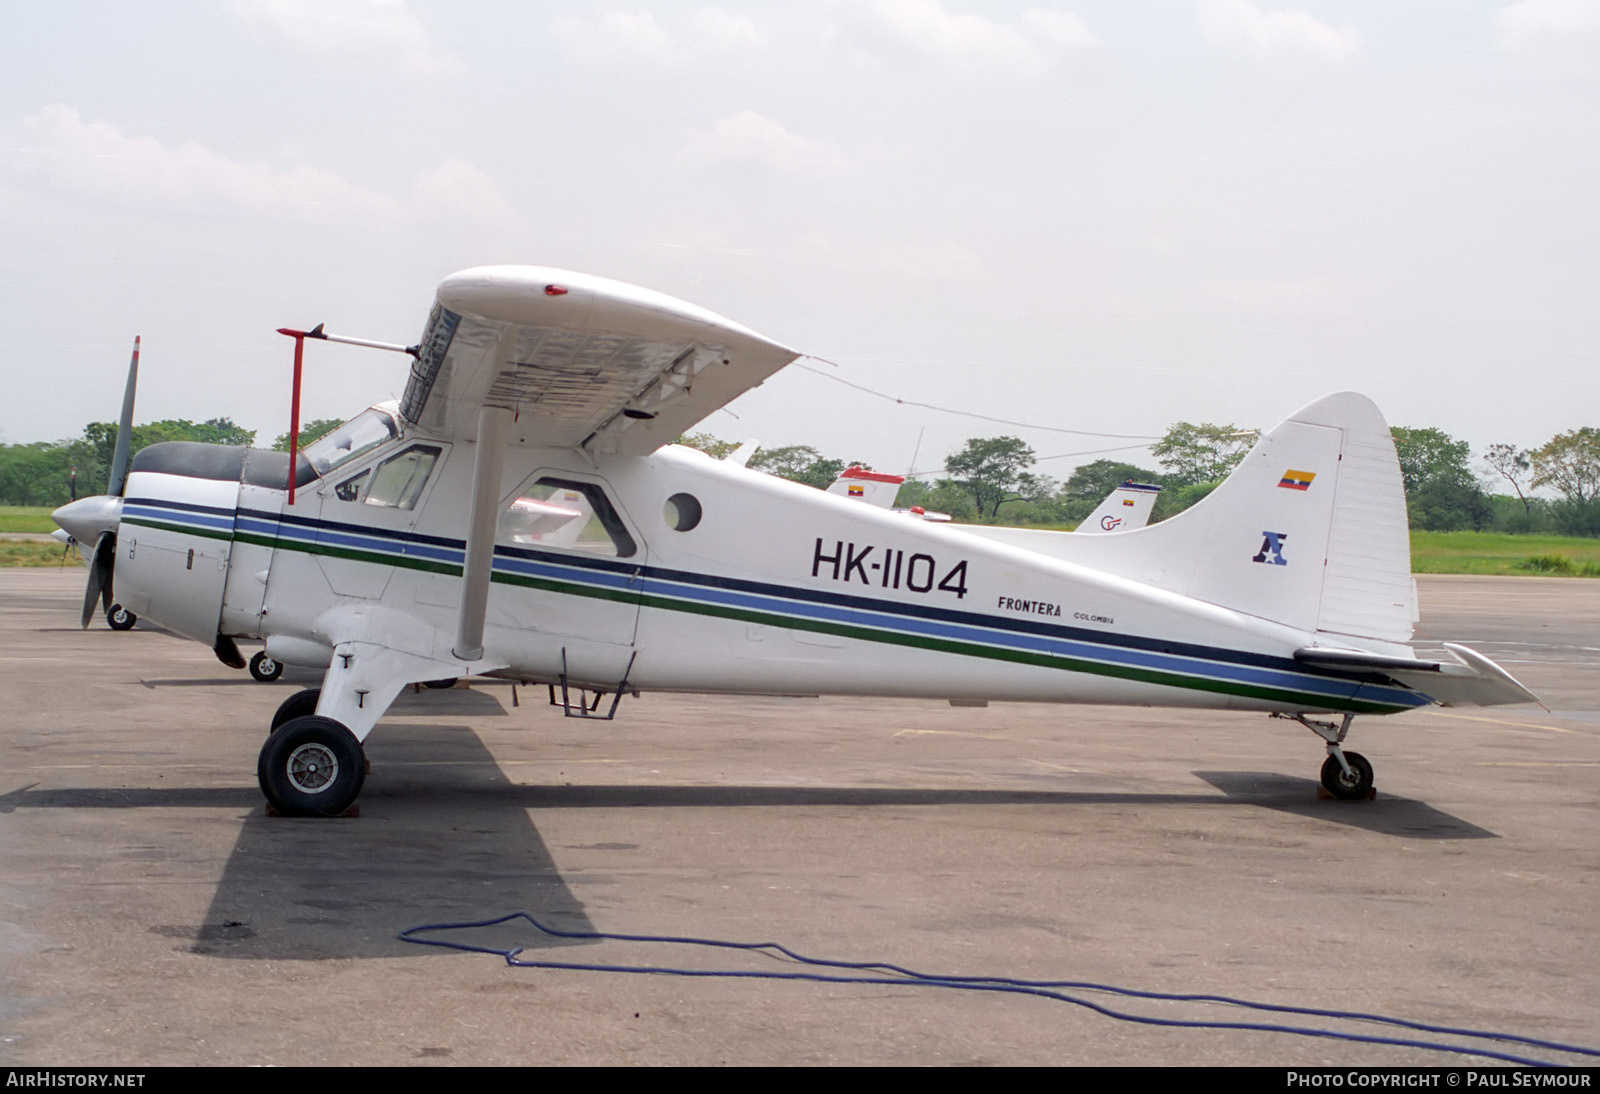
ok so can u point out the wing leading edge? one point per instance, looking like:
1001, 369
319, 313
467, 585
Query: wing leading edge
580, 360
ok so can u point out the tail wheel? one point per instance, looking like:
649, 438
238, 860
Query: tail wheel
265, 669
1352, 786
311, 767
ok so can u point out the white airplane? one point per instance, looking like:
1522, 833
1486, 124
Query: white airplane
521, 513
1127, 507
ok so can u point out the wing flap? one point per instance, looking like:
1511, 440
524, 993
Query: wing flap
581, 360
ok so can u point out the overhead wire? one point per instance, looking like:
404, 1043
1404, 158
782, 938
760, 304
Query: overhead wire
1151, 438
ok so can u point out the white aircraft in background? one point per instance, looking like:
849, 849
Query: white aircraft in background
521, 513
1125, 508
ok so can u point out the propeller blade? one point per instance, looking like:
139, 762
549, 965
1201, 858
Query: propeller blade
105, 560
99, 586
119, 461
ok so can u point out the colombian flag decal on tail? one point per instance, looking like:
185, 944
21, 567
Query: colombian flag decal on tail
1297, 480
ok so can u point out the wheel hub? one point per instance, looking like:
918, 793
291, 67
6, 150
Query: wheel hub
312, 768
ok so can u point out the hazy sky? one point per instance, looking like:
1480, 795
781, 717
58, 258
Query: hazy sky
1095, 216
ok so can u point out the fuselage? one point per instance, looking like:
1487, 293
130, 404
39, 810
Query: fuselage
674, 571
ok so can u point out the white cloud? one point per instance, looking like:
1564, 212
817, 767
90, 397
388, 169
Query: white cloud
1528, 22
59, 152
710, 31
715, 31
370, 30
750, 142
1243, 27
930, 260
973, 44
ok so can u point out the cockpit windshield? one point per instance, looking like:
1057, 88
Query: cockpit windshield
364, 432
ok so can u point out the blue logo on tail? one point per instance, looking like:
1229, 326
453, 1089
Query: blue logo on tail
1272, 544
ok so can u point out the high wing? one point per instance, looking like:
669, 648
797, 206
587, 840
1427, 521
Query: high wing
579, 360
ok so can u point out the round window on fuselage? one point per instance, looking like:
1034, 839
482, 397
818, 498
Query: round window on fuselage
682, 512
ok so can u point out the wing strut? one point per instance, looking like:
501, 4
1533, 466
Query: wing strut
494, 424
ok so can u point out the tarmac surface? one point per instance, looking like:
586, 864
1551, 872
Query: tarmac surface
152, 914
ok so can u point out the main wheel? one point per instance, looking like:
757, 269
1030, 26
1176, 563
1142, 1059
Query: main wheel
1343, 786
441, 684
264, 668
298, 705
311, 767
119, 618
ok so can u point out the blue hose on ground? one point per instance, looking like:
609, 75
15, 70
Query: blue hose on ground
896, 975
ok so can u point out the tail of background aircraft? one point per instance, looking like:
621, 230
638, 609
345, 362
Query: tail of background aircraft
1310, 530
872, 487
1125, 508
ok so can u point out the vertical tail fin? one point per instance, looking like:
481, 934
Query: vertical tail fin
1309, 530
1125, 508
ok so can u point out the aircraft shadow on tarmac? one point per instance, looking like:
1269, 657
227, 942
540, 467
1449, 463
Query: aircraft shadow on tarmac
1388, 815
445, 836
439, 839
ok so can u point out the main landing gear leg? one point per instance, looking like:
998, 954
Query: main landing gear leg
313, 764
1345, 775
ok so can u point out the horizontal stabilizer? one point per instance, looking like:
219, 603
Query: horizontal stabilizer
1472, 680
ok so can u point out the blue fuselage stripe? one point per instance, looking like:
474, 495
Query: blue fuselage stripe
890, 617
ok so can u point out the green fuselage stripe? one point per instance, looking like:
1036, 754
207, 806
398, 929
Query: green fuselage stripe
1286, 696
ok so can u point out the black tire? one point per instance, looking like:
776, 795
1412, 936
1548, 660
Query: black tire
119, 618
1342, 786
311, 767
264, 668
441, 684
298, 705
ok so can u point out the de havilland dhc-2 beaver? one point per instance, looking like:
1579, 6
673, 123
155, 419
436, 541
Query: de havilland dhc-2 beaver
522, 513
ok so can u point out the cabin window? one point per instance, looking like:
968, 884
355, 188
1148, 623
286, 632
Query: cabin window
398, 481
682, 512
564, 513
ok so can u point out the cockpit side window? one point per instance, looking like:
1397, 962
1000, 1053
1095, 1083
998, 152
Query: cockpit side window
398, 481
569, 514
350, 489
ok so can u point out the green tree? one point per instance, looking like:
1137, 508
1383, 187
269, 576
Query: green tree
1092, 483
309, 432
1096, 480
1175, 499
801, 463
1193, 453
1441, 493
1511, 463
101, 437
1570, 464
942, 496
994, 470
39, 474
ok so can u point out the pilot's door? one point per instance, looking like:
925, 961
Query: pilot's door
364, 525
